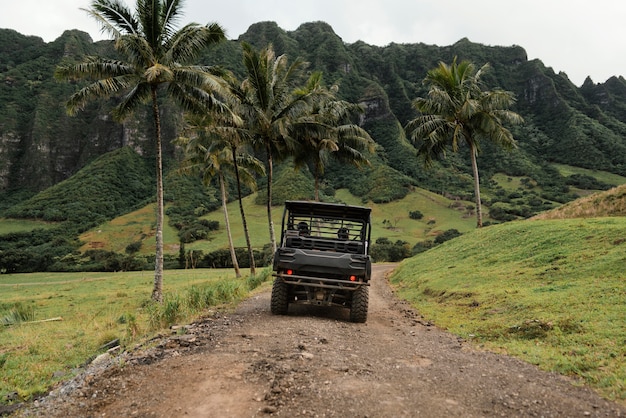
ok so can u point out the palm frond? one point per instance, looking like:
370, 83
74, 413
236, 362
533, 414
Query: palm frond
194, 99
258, 76
149, 15
137, 50
141, 93
184, 45
114, 17
94, 68
103, 88
170, 15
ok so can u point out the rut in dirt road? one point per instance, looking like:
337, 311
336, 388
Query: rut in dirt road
313, 362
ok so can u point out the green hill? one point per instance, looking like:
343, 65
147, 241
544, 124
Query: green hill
114, 184
601, 204
390, 220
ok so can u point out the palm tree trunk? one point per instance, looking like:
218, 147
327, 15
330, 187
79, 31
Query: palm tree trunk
157, 291
317, 184
269, 198
479, 212
233, 255
243, 214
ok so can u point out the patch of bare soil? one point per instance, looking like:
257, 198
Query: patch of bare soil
314, 363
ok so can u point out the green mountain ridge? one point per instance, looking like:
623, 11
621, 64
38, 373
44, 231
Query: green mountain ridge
582, 127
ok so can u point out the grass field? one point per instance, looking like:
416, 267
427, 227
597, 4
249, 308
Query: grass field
552, 293
89, 310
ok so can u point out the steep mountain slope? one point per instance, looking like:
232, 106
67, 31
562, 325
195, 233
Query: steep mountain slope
41, 146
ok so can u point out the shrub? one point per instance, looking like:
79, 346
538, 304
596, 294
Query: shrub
133, 247
385, 250
422, 246
447, 235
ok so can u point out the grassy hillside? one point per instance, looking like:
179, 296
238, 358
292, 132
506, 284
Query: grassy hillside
440, 214
603, 176
136, 226
390, 220
113, 184
609, 203
551, 292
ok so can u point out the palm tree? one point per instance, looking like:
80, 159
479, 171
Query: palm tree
249, 162
209, 156
156, 55
329, 133
225, 130
457, 111
271, 102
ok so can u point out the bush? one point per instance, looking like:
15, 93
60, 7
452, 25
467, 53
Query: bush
416, 214
583, 181
422, 246
385, 250
221, 258
133, 247
447, 235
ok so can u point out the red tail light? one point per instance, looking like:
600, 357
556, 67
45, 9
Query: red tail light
353, 278
289, 272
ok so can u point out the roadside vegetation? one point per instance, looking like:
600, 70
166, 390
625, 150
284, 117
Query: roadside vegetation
550, 292
52, 324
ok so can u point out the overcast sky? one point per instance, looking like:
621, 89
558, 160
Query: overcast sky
580, 38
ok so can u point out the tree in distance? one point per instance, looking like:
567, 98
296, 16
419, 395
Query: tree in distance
457, 110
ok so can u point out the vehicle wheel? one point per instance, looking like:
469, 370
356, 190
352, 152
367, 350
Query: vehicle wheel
280, 297
360, 301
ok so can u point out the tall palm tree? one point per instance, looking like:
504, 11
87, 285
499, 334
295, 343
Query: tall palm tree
209, 156
224, 130
273, 100
457, 110
328, 132
155, 55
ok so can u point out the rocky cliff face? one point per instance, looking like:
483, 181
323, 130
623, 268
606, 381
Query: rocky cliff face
40, 144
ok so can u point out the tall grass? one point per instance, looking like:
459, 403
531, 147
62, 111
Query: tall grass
91, 310
18, 313
178, 306
550, 292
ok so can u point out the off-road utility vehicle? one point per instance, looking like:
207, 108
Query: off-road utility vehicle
323, 258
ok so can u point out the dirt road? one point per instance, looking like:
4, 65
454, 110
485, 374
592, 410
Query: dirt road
314, 363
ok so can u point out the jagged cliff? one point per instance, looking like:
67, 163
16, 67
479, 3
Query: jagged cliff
40, 145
